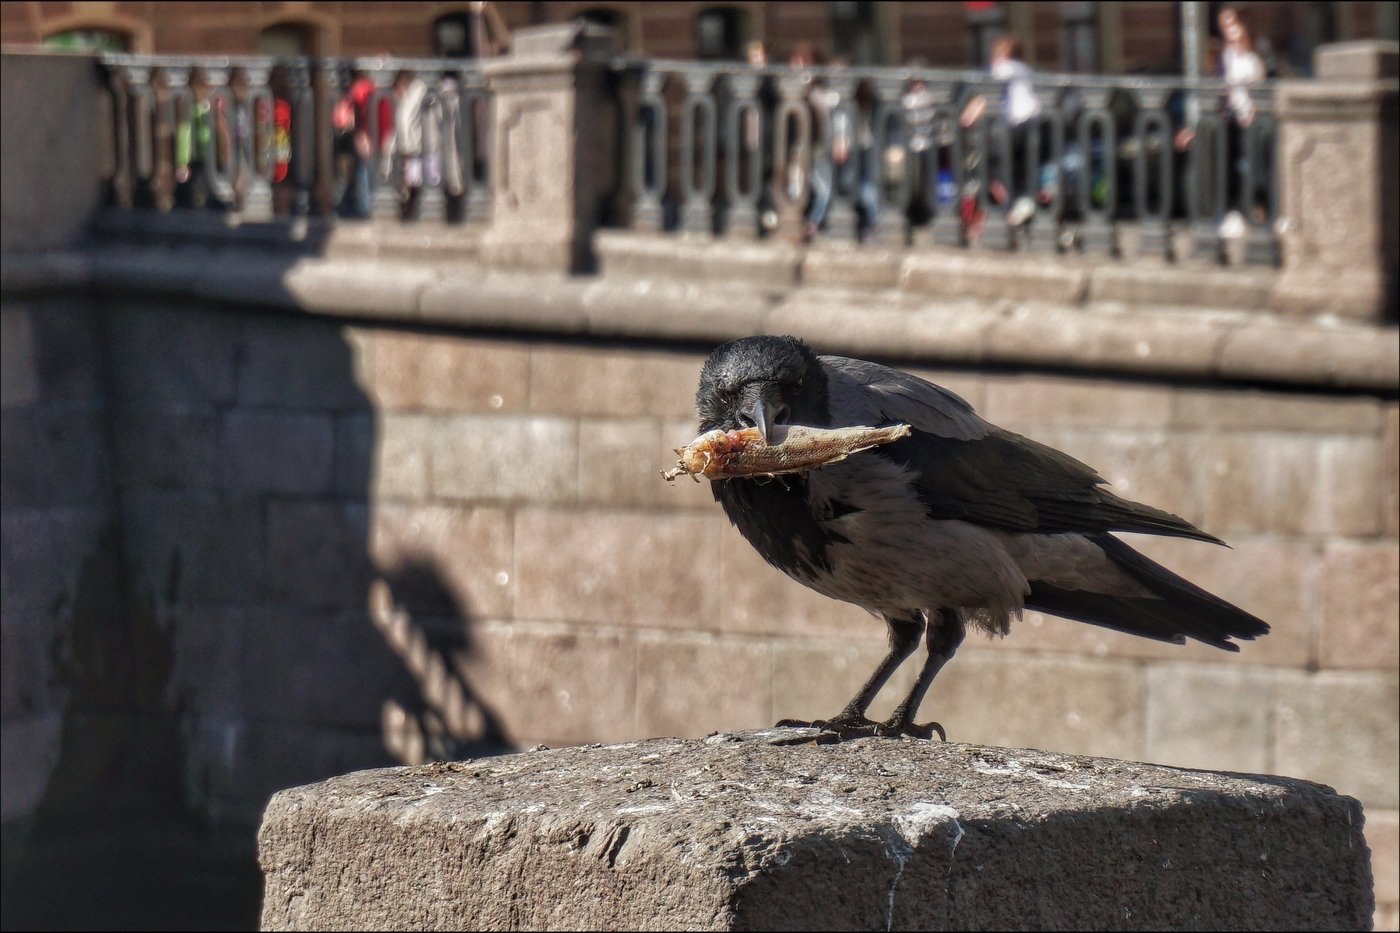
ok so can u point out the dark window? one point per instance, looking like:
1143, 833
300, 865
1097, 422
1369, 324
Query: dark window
452, 36
90, 40
986, 23
287, 40
720, 33
1079, 37
855, 32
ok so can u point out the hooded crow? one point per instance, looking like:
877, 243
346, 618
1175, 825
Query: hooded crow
961, 523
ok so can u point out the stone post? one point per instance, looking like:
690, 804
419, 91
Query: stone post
1337, 155
773, 830
554, 147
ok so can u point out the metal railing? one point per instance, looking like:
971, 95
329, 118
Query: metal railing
263, 136
1140, 166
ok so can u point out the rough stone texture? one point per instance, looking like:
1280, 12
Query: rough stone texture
740, 832
49, 191
1341, 252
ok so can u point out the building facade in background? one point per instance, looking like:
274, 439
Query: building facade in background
1110, 37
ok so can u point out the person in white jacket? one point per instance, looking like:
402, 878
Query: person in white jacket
405, 150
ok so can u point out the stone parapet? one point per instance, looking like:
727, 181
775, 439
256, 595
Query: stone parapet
894, 324
766, 830
1339, 188
547, 191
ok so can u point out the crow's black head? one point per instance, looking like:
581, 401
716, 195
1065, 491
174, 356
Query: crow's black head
762, 381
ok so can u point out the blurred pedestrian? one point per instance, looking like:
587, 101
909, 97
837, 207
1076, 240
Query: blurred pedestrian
1020, 105
351, 120
404, 155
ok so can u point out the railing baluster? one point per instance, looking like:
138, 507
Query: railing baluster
1045, 159
1259, 198
890, 225
476, 151
142, 107
1097, 232
175, 100
992, 141
1208, 174
219, 153
947, 170
792, 147
303, 135
253, 138
743, 167
842, 223
649, 154
698, 145
1154, 139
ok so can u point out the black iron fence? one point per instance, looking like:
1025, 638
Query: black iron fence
260, 136
1049, 164
1059, 163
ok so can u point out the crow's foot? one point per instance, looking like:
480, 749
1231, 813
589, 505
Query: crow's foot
897, 726
847, 726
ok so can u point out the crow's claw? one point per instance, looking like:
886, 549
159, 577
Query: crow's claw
898, 727
858, 727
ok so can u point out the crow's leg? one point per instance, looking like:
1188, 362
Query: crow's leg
904, 637
945, 633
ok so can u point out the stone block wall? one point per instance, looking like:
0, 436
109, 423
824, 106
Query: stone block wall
61, 548
376, 543
359, 543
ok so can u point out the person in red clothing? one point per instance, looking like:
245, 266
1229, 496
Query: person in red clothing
351, 118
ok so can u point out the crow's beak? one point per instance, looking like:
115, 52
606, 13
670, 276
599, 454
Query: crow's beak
763, 418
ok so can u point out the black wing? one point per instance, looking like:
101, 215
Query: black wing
966, 468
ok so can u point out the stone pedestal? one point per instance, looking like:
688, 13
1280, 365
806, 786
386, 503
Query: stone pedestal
769, 831
554, 147
1340, 187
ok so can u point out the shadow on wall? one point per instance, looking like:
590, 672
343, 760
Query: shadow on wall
229, 633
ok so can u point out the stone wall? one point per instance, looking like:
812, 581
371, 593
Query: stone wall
356, 542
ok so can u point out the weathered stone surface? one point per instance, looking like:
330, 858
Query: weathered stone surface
445, 559
568, 684
500, 457
1390, 472
957, 274
688, 684
277, 452
1209, 716
1139, 283
168, 448
19, 380
771, 264
737, 832
1084, 706
413, 371
1256, 410
1383, 836
163, 356
1028, 404
1340, 727
316, 552
611, 383
30, 747
600, 565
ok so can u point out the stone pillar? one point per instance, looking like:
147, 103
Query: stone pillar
1337, 155
772, 830
554, 152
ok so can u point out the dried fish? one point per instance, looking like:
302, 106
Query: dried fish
730, 454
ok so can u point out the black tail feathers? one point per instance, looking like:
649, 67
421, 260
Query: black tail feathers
1178, 610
